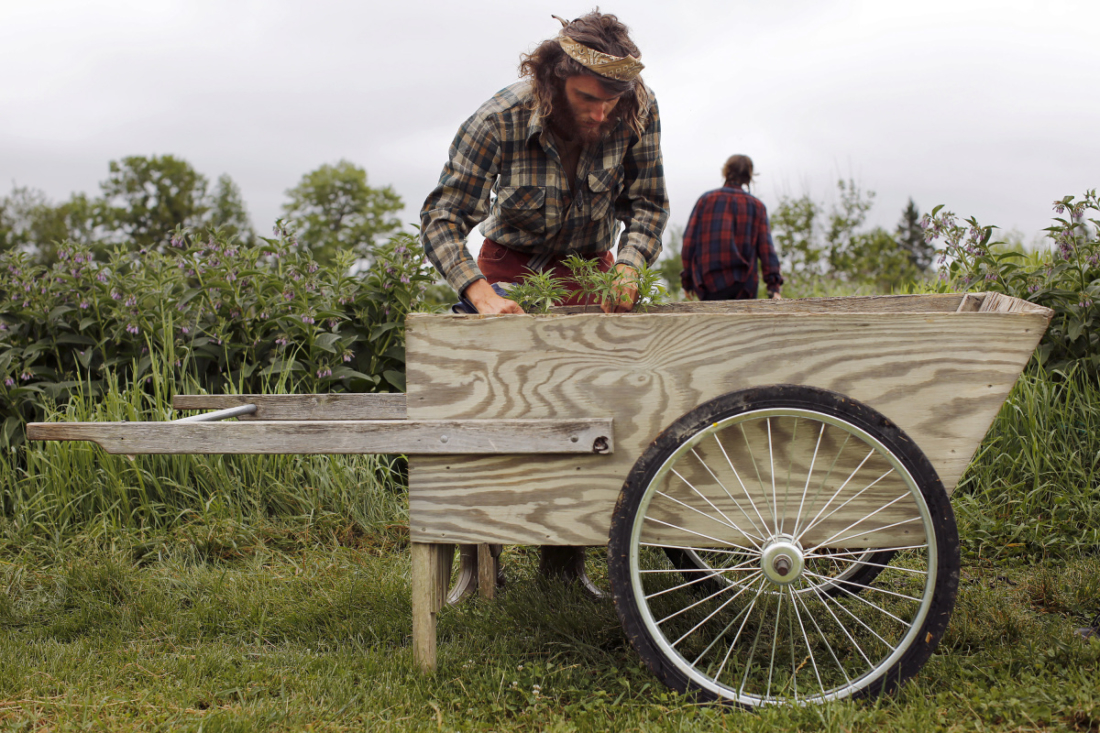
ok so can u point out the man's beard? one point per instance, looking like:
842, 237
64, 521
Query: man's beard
564, 121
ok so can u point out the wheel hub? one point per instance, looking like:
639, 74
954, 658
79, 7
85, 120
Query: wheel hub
782, 560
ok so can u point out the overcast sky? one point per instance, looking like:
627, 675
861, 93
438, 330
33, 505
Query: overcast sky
988, 107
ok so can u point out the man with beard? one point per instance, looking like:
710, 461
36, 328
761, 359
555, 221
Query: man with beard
570, 151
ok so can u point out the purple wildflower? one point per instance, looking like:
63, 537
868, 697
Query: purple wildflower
307, 319
132, 329
10, 382
26, 376
84, 305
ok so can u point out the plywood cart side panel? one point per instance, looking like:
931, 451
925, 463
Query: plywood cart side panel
941, 376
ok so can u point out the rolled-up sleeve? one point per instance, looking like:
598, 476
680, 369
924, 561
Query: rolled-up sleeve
460, 200
766, 254
643, 204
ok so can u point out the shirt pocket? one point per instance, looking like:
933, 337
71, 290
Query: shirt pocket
523, 207
604, 187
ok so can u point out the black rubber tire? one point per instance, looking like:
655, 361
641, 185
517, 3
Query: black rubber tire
797, 397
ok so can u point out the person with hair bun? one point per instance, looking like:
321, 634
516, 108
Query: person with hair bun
726, 236
566, 161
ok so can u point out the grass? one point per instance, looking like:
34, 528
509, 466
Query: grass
1032, 490
290, 632
236, 593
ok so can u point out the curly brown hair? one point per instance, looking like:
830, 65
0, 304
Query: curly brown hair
548, 66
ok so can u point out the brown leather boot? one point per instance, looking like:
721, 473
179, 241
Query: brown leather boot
567, 563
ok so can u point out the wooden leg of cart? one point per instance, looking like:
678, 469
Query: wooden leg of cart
486, 572
431, 570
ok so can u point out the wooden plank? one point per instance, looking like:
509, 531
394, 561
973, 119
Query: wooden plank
380, 406
941, 376
440, 437
1000, 303
918, 303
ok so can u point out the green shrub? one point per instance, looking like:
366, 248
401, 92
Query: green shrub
232, 317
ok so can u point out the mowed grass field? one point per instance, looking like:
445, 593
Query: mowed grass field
285, 627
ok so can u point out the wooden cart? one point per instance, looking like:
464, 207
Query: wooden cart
771, 477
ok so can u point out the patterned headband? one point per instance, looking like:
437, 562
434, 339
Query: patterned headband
621, 68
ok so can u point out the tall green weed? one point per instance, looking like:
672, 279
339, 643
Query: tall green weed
58, 488
1031, 491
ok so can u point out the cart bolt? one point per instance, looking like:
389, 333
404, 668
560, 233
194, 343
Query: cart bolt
444, 438
782, 565
573, 438
600, 445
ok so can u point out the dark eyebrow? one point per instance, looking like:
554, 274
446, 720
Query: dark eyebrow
593, 97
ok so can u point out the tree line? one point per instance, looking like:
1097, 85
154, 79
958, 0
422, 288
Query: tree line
145, 200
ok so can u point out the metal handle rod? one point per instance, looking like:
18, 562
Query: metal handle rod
220, 414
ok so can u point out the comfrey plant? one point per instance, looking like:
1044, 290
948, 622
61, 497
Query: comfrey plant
540, 291
1065, 279
232, 317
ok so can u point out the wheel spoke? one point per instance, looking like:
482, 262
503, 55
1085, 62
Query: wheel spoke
775, 641
825, 479
836, 493
864, 587
710, 616
809, 475
699, 534
759, 532
828, 646
872, 564
850, 500
825, 598
809, 649
840, 553
771, 471
728, 523
733, 644
742, 484
709, 576
701, 601
864, 534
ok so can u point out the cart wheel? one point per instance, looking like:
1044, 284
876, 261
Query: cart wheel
464, 572
779, 505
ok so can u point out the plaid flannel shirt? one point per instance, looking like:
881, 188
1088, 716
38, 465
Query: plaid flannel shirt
504, 149
725, 236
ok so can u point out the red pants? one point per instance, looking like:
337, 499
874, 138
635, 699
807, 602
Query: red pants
502, 265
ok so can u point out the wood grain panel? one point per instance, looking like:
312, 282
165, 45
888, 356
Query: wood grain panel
940, 375
440, 437
302, 406
921, 303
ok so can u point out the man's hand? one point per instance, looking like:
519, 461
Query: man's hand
487, 302
774, 295
626, 288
